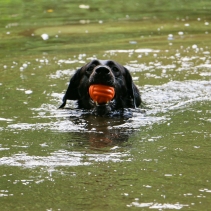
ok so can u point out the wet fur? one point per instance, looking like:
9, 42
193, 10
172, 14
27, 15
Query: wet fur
106, 73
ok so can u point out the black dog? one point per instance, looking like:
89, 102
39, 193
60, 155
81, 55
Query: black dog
105, 73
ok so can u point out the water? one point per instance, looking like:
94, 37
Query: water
66, 159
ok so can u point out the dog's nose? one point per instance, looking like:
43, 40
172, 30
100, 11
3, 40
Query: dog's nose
102, 70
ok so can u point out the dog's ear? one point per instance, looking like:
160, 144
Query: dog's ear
72, 90
133, 90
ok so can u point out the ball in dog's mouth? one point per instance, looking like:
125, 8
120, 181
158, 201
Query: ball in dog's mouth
101, 94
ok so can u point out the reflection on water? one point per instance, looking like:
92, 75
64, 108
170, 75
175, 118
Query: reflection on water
62, 158
158, 206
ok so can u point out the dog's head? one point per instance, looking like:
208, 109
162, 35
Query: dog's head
108, 73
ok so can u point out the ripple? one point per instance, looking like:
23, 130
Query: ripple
159, 100
152, 205
176, 94
62, 158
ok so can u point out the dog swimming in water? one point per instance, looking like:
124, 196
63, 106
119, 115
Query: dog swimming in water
117, 81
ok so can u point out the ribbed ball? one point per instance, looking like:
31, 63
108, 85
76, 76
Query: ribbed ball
101, 93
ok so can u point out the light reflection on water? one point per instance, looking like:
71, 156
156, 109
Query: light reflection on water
158, 206
62, 158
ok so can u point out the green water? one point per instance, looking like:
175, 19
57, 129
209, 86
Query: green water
54, 159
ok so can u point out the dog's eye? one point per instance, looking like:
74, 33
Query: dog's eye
90, 68
115, 71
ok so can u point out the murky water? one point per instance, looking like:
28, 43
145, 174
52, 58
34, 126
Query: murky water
53, 159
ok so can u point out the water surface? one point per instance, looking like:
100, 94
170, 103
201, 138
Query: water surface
53, 159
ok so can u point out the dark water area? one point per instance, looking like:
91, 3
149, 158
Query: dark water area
65, 159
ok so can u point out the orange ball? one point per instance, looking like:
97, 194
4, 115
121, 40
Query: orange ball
101, 93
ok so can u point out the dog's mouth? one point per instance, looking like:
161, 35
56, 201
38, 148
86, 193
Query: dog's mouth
96, 104
101, 95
